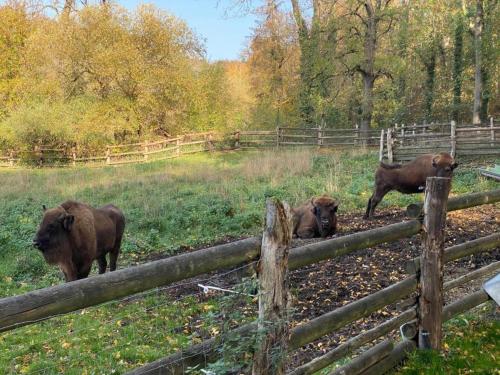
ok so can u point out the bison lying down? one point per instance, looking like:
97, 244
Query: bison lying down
409, 178
74, 234
315, 218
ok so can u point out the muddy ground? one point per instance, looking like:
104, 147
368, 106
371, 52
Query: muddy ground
327, 285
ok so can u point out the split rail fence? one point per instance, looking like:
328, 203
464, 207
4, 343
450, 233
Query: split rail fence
403, 143
140, 152
421, 327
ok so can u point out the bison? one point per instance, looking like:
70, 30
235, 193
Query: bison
315, 218
409, 178
74, 234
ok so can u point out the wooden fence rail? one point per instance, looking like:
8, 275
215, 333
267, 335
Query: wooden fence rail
460, 141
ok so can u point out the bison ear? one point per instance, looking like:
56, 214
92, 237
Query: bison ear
44, 207
67, 222
335, 206
454, 165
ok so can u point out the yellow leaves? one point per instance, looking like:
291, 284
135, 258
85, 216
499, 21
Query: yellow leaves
207, 307
66, 345
8, 279
117, 355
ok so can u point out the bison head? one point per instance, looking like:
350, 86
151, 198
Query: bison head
444, 164
324, 210
56, 223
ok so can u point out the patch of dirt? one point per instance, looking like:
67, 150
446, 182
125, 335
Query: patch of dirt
325, 286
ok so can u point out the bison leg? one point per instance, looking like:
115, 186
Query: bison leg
375, 199
113, 255
69, 271
102, 263
84, 270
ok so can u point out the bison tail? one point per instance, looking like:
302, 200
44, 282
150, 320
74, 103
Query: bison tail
390, 166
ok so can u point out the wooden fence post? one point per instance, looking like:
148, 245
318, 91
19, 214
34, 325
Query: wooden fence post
453, 138
381, 150
146, 150
492, 131
431, 276
319, 135
73, 155
237, 139
278, 134
108, 155
178, 147
390, 155
11, 158
273, 290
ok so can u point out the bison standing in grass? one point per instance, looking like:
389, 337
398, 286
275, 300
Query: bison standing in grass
318, 217
74, 234
409, 178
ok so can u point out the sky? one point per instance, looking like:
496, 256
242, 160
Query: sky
225, 36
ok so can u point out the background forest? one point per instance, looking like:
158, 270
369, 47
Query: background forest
91, 74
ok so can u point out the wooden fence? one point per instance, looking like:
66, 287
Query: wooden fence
403, 143
321, 137
115, 154
42, 304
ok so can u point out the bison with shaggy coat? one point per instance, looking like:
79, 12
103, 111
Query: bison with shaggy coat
315, 218
409, 178
74, 234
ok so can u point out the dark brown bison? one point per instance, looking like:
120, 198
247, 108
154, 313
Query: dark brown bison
74, 234
315, 218
409, 178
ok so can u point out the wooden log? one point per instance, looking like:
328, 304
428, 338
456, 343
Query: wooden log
390, 145
398, 354
459, 203
431, 277
381, 146
366, 359
273, 290
44, 303
352, 344
344, 315
452, 253
484, 271
464, 304
315, 252
453, 139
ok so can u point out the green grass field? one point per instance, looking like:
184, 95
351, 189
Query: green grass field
171, 207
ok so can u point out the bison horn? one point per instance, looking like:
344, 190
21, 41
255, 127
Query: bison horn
44, 207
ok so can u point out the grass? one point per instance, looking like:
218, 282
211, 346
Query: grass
471, 344
170, 207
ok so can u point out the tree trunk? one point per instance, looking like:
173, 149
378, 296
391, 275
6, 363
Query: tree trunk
367, 71
457, 66
478, 80
430, 68
367, 104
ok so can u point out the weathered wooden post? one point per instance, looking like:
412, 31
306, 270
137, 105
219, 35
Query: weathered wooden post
453, 138
381, 150
273, 290
11, 158
178, 147
237, 139
145, 150
390, 155
492, 132
73, 156
108, 155
431, 261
